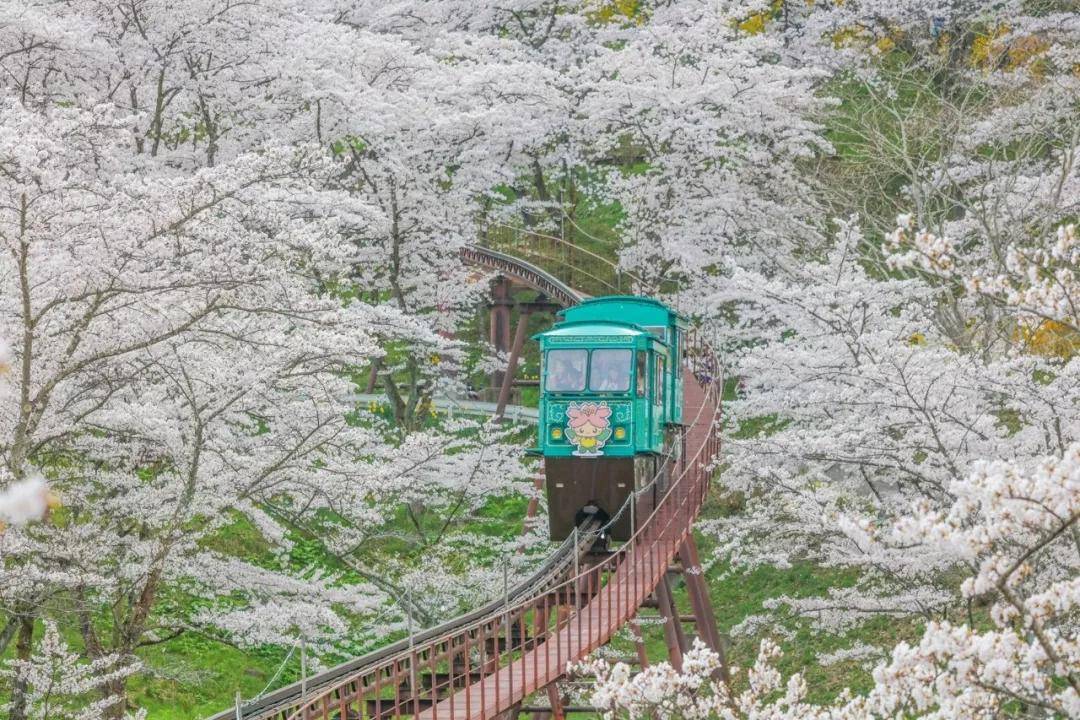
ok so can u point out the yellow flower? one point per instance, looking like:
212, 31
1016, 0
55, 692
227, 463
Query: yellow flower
754, 24
845, 36
1025, 51
618, 11
1050, 339
984, 51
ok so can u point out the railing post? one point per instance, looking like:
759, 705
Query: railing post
558, 633
239, 702
483, 669
594, 581
378, 695
577, 544
433, 694
508, 631
609, 589
413, 677
523, 632
577, 616
303, 667
614, 577
467, 679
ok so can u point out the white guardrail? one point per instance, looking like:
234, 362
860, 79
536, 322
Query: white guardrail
452, 406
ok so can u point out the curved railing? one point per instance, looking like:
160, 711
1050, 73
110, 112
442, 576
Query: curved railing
281, 702
473, 408
522, 271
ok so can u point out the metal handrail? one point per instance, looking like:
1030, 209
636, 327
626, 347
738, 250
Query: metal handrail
521, 413
575, 248
555, 565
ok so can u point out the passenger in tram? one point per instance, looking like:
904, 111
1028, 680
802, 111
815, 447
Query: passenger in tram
612, 380
567, 372
610, 370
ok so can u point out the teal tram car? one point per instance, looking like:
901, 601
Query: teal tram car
610, 407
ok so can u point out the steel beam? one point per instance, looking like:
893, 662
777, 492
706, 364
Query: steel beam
499, 321
512, 363
698, 591
673, 634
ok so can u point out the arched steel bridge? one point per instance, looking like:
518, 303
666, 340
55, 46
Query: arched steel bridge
489, 662
524, 272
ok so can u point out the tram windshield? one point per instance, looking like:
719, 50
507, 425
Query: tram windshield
566, 370
610, 371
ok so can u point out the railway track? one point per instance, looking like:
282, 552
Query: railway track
524, 272
484, 664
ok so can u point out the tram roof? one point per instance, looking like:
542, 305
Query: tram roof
623, 303
585, 329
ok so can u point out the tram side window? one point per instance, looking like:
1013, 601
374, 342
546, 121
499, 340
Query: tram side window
642, 373
610, 370
566, 370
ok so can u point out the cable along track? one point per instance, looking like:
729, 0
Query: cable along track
484, 663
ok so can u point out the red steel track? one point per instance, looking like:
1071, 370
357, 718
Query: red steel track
486, 664
488, 667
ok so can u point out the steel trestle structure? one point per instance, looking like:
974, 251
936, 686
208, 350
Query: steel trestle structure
487, 663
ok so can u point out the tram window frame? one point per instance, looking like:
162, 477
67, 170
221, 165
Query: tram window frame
660, 332
661, 391
625, 375
642, 373
584, 371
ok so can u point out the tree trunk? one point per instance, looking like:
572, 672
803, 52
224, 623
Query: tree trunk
116, 689
8, 633
23, 650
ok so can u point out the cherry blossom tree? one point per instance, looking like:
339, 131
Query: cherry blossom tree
449, 127
856, 406
212, 218
879, 367
1014, 528
437, 478
721, 121
58, 681
158, 384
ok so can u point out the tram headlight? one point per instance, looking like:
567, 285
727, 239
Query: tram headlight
556, 433
620, 433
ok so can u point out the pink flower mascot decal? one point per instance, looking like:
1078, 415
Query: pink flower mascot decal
588, 428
